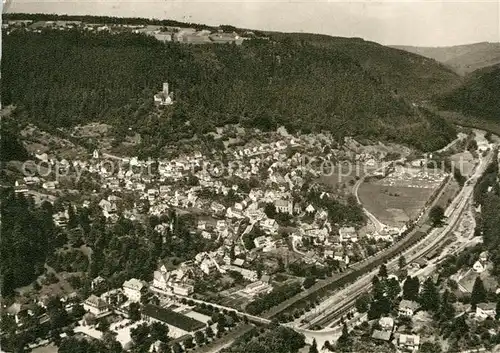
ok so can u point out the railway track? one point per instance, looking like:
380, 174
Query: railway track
347, 306
428, 246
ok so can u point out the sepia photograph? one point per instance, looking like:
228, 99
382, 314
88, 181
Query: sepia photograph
244, 176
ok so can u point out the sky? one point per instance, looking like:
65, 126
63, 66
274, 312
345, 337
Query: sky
404, 22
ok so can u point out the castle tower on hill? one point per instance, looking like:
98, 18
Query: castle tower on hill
164, 97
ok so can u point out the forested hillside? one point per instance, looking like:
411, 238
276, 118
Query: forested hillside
69, 78
478, 97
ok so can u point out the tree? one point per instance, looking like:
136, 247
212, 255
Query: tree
308, 282
270, 210
177, 348
199, 337
139, 334
429, 299
401, 262
159, 331
344, 340
478, 292
430, 347
209, 332
133, 312
363, 303
411, 288
446, 309
383, 271
436, 216
393, 289
188, 342
109, 340
103, 325
314, 347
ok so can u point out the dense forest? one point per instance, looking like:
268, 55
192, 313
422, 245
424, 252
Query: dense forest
478, 97
276, 339
347, 86
28, 237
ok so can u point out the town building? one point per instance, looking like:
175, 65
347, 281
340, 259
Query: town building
96, 306
284, 206
134, 289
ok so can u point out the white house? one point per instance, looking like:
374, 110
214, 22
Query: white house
134, 289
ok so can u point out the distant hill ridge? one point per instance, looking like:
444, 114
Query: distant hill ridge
463, 59
306, 82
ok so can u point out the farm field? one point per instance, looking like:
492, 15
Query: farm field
393, 205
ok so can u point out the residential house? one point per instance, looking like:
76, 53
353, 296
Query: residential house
485, 310
348, 234
386, 323
96, 306
207, 266
50, 185
221, 225
257, 288
284, 206
202, 225
164, 36
478, 266
96, 282
61, 218
226, 38
269, 225
381, 335
262, 241
310, 209
182, 288
134, 289
409, 342
20, 187
407, 308
160, 279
